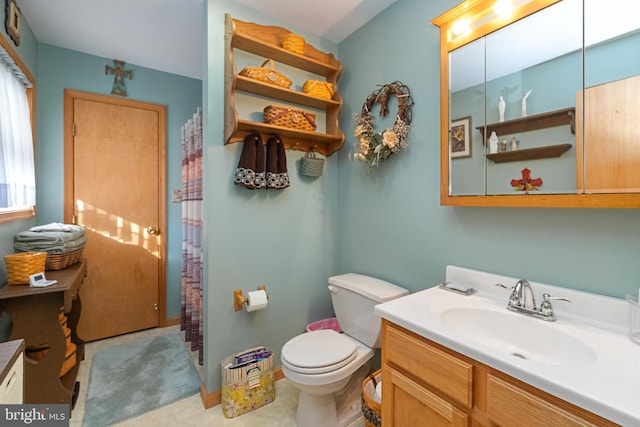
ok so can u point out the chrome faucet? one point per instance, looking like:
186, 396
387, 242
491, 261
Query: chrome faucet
523, 301
522, 296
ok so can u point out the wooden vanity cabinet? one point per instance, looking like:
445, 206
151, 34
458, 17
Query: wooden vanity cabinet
425, 383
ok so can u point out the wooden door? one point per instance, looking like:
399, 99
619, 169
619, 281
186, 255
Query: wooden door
115, 188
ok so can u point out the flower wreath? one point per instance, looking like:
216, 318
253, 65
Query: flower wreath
375, 147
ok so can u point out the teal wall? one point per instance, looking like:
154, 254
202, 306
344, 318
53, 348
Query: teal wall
284, 239
391, 223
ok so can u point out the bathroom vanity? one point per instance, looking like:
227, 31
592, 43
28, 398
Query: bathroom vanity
456, 390
468, 361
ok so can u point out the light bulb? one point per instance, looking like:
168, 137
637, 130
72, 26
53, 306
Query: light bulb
503, 8
461, 26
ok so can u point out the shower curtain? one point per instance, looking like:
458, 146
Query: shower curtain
191, 310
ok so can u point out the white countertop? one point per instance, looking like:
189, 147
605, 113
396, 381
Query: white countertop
608, 386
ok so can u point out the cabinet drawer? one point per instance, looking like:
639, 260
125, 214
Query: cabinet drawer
441, 370
509, 404
11, 388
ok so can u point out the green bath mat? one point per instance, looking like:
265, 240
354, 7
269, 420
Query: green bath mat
130, 379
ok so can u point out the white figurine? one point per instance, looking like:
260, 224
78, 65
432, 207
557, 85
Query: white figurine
501, 106
523, 106
493, 143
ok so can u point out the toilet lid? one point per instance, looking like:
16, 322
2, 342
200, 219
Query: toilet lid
318, 351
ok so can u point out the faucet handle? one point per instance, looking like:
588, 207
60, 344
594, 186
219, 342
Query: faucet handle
514, 298
545, 306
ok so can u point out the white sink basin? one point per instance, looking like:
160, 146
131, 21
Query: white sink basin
519, 336
585, 357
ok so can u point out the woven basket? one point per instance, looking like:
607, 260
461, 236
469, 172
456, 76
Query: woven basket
310, 165
371, 409
37, 352
69, 359
290, 118
58, 262
318, 89
267, 74
21, 265
294, 43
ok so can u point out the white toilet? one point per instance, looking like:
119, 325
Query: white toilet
329, 367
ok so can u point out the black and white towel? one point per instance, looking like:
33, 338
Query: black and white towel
250, 171
277, 174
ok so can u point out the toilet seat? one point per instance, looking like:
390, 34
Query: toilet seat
318, 352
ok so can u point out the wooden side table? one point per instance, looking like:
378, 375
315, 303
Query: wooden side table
34, 312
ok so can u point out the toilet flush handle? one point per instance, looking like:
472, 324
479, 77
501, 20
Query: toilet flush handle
333, 289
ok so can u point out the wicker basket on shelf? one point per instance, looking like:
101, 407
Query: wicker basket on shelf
60, 261
290, 118
21, 265
294, 43
318, 88
267, 74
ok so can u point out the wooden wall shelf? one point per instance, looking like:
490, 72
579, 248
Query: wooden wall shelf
562, 117
265, 41
547, 152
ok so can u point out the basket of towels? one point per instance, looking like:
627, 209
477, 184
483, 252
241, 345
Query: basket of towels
63, 243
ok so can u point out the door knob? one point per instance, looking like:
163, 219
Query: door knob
152, 230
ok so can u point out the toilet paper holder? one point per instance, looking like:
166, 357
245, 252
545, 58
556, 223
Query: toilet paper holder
239, 300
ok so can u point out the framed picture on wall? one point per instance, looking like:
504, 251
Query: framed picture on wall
12, 21
460, 138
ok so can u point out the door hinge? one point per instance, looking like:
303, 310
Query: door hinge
73, 130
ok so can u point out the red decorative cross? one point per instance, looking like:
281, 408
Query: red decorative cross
526, 183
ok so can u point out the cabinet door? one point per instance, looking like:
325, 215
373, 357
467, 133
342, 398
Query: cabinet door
610, 154
407, 404
12, 387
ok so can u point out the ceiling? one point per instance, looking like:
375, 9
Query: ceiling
167, 35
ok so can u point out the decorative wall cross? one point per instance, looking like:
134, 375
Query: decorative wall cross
527, 183
119, 75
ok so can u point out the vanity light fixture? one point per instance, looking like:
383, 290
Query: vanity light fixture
503, 8
461, 26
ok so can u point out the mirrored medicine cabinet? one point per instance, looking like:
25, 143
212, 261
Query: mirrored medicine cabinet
540, 103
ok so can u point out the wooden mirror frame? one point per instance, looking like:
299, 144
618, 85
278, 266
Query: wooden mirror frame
476, 10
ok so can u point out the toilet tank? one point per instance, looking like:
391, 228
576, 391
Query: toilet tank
353, 297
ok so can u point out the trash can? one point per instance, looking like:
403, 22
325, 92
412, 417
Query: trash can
372, 399
330, 323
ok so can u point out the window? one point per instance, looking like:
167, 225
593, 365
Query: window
17, 170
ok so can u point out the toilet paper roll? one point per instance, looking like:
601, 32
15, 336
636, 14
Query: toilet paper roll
256, 300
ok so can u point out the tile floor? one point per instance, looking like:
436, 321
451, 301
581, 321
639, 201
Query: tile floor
190, 411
